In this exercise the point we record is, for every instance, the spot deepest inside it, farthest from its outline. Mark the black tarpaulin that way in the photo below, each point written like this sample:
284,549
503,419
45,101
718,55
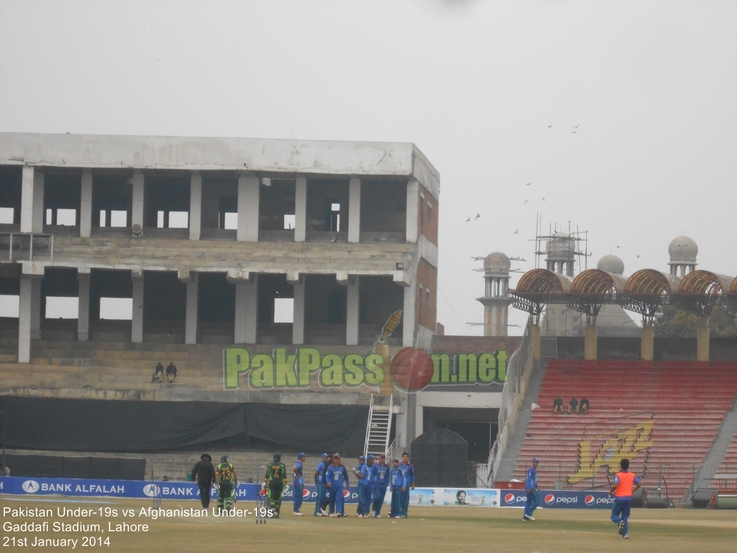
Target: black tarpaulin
103,468
138,426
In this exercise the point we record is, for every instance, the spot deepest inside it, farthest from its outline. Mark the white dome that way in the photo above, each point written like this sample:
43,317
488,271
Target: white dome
497,262
611,264
683,249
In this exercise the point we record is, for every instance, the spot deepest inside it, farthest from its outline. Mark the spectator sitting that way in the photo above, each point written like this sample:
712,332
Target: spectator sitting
158,373
558,405
573,405
4,471
171,371
583,406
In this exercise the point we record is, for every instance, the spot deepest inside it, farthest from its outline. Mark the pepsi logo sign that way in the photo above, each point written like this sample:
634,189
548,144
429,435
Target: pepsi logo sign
589,500
549,499
346,494
509,498
305,494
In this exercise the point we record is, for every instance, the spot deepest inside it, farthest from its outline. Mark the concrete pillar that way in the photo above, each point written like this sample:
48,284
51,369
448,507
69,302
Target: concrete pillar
351,334
26,201
24,320
405,425
647,343
298,324
702,339
195,206
239,328
535,341
83,317
408,316
413,210
138,195
589,344
32,200
248,197
137,321
246,311
300,210
190,332
38,202
36,308
419,420
354,210
85,205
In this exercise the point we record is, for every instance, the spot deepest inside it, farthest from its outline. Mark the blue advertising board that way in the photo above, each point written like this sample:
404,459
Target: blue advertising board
20,485
558,499
456,497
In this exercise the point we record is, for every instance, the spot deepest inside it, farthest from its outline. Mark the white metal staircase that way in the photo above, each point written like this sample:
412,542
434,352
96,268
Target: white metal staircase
379,426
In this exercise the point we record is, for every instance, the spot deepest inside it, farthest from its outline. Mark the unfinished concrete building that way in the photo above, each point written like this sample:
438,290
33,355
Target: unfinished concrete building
212,243
229,241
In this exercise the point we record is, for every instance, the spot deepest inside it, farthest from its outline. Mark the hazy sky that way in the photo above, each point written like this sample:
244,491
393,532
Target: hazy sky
490,91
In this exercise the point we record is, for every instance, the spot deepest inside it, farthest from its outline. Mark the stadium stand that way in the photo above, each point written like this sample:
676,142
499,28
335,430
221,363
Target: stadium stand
663,415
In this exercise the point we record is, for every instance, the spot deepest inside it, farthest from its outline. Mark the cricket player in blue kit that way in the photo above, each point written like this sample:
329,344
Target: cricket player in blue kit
320,483
531,489
409,472
625,484
398,482
336,478
380,481
298,484
364,488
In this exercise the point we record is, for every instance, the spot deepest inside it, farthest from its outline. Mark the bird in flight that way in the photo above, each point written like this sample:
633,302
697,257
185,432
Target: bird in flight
550,125
528,184
478,215
543,199
526,202
517,231
574,132
468,220
577,126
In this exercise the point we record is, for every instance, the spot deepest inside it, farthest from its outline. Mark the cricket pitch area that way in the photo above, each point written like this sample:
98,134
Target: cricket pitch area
428,529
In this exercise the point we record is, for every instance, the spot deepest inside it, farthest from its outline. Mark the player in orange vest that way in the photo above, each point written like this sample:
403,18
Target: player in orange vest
625,484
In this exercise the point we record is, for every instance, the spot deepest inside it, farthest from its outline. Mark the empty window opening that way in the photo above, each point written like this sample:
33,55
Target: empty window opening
9,306
118,309
178,219
118,218
289,221
6,215
172,219
283,310
228,212
229,221
63,217
335,217
58,307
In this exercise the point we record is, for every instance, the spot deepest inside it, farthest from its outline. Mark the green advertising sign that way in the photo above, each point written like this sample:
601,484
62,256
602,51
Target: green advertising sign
297,370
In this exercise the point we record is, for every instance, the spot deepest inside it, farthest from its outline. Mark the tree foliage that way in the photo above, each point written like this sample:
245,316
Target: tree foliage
671,322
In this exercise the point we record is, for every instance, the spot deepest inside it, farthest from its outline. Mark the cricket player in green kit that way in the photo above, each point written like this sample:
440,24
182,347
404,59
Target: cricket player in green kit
226,478
274,482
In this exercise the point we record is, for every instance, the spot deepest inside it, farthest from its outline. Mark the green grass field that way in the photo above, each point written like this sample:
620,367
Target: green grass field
429,529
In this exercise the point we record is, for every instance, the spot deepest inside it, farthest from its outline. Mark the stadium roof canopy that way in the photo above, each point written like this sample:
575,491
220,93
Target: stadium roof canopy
643,292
